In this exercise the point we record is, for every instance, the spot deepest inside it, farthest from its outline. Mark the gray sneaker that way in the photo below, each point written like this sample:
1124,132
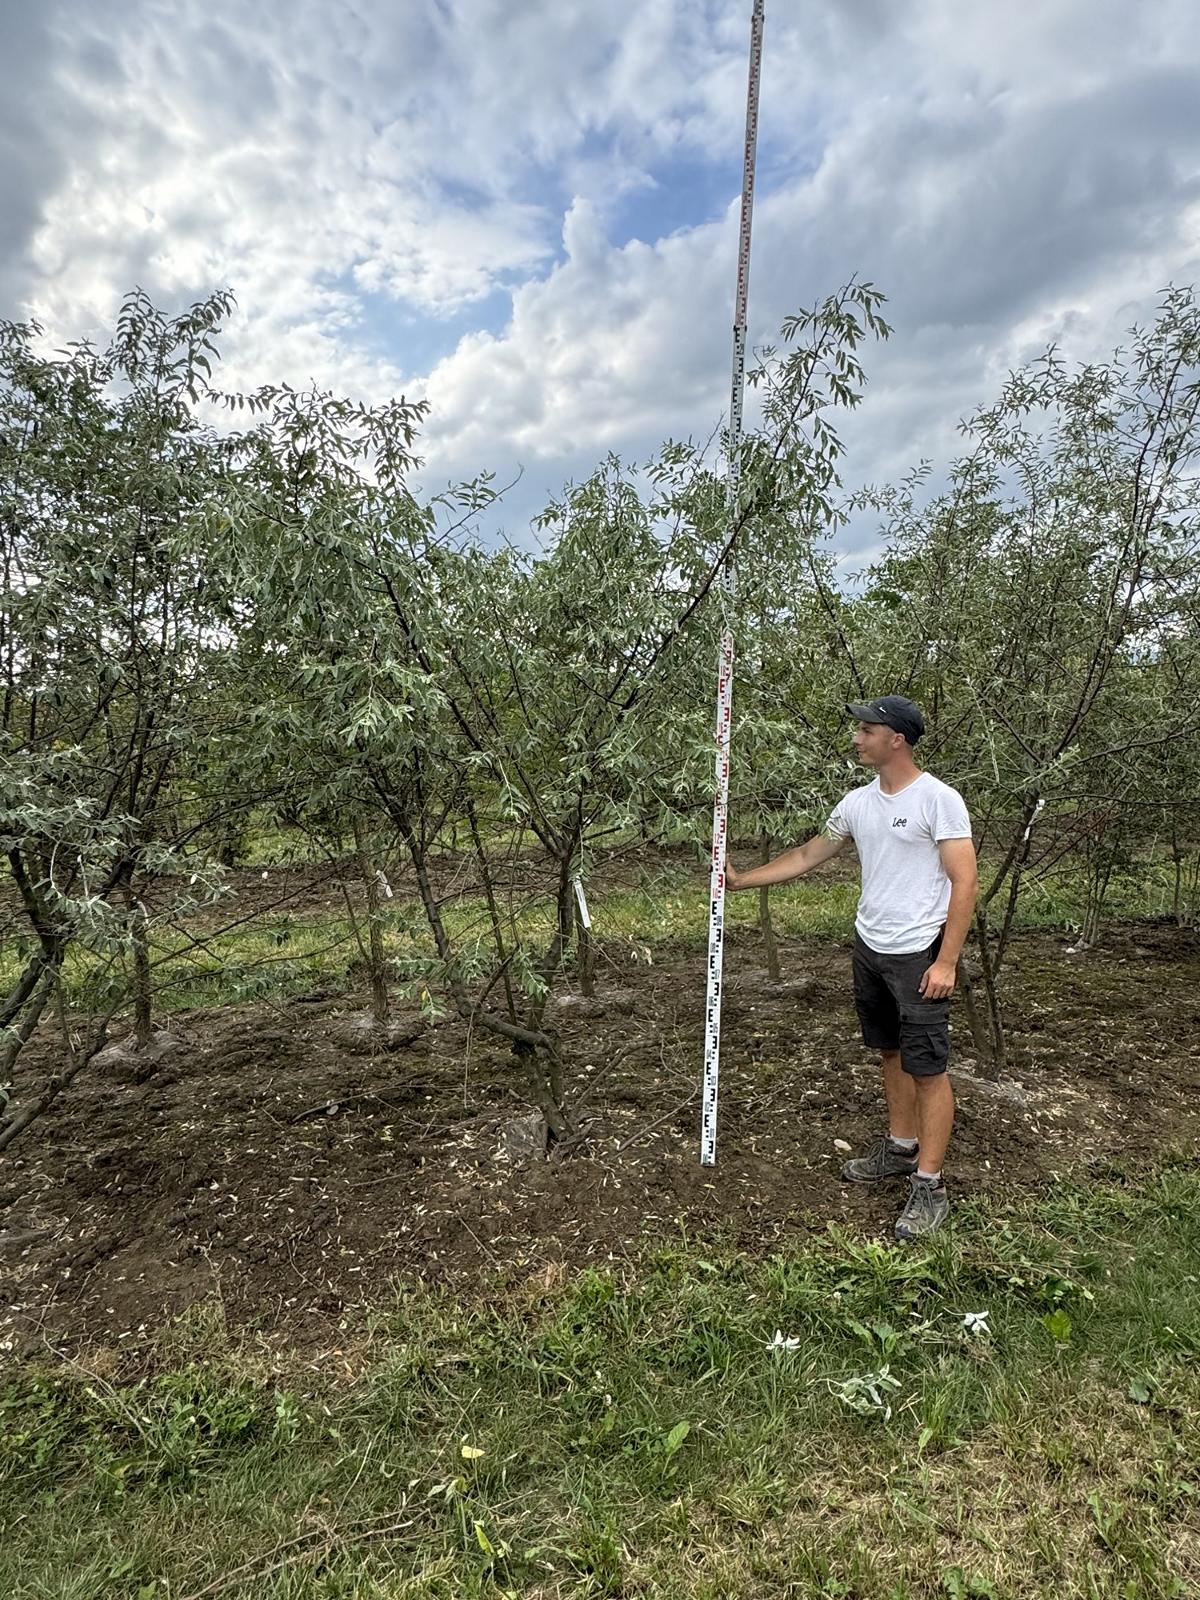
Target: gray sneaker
882,1161
927,1208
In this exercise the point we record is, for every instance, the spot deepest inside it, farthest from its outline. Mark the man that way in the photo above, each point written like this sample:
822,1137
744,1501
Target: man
919,881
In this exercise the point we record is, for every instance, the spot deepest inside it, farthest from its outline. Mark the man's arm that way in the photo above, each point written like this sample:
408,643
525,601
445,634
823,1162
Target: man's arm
958,859
791,864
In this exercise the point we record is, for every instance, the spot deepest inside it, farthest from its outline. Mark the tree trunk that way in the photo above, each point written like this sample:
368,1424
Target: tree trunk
998,1064
584,952
58,1081
376,961
765,924
232,845
1098,882
20,1034
1187,880
545,1061
536,1049
543,1072
143,1012
485,878
15,1000
979,1034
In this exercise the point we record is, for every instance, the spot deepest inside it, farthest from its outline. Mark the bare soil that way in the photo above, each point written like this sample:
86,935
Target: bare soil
281,1159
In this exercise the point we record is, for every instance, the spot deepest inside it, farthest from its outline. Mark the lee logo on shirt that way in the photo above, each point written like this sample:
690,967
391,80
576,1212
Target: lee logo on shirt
899,822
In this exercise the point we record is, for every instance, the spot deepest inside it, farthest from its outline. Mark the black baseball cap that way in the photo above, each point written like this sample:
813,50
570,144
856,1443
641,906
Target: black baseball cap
894,712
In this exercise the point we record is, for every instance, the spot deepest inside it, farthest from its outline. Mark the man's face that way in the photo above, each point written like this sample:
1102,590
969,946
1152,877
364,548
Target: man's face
874,743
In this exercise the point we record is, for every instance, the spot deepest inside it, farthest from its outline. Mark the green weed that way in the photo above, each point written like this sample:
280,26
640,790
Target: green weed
846,1418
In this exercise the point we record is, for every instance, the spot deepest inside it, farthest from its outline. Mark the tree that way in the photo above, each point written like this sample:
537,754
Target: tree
536,699
1018,605
111,620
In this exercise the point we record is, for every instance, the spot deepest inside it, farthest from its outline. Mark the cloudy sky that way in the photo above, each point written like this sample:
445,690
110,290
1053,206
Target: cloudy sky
525,210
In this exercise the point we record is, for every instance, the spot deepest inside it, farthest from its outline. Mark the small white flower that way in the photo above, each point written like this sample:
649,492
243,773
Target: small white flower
780,1343
976,1322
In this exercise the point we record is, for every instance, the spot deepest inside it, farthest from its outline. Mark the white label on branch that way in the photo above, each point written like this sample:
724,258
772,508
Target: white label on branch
582,898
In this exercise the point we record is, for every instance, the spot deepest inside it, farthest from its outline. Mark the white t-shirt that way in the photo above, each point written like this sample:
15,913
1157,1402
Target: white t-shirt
905,890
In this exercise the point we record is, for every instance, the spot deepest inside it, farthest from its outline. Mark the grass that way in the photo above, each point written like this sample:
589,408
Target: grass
275,956
280,955
641,1434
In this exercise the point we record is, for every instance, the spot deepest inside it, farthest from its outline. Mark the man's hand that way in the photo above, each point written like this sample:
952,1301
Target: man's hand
939,980
733,878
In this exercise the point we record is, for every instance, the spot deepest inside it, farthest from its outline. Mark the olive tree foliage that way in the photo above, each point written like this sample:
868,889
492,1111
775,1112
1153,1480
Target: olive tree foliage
112,622
529,702
791,615
195,625
1043,611
789,755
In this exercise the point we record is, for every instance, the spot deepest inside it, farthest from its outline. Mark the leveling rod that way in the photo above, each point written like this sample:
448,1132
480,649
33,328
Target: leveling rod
716,918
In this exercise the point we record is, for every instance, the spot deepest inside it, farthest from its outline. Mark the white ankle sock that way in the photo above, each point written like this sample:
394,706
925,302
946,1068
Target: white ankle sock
929,1177
907,1145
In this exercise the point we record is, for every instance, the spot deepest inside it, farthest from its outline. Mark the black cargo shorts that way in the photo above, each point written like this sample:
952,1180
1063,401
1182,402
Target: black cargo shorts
892,1012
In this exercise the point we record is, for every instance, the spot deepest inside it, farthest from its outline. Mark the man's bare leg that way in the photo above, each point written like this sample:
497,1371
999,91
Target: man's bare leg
899,1087
928,1205
935,1118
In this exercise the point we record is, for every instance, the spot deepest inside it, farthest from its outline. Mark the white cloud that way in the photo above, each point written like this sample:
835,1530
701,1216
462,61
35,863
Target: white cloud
368,177
601,351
